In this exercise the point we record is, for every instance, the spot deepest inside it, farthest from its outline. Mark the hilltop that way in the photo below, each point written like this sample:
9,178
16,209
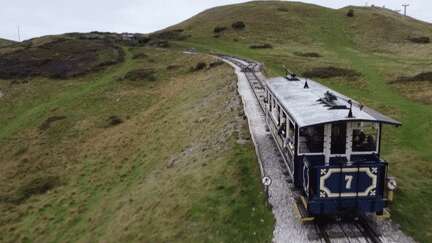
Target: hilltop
293,33
4,42
377,56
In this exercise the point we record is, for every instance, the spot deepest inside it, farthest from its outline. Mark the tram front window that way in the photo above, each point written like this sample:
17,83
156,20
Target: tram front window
364,136
311,139
338,138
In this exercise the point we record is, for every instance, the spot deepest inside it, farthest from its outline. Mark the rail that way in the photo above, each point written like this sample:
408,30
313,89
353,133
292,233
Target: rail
251,70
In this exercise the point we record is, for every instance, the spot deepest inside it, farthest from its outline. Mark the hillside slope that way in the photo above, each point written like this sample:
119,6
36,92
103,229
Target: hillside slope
377,56
4,42
146,150
58,58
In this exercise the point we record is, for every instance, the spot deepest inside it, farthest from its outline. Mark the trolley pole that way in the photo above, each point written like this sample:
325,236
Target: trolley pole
19,33
405,8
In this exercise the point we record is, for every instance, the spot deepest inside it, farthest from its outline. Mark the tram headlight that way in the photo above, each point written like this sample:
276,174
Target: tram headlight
391,184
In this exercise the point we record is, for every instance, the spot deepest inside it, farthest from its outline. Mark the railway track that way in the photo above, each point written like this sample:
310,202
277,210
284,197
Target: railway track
251,70
357,229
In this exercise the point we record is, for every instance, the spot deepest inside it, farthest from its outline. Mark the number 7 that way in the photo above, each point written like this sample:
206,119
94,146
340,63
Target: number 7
348,179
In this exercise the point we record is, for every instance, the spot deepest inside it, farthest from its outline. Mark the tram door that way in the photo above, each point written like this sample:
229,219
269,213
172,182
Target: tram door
338,138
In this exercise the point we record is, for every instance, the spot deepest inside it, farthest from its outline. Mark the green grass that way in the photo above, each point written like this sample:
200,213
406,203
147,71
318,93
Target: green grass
30,114
372,43
173,171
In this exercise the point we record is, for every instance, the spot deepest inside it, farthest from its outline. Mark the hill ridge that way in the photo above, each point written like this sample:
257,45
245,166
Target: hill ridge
5,42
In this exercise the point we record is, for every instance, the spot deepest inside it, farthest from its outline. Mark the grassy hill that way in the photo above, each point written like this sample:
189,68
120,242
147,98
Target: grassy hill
137,145
391,54
59,58
4,42
145,149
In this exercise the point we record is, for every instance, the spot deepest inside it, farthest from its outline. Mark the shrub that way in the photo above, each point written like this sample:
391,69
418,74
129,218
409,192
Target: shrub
199,66
177,34
35,186
420,40
425,76
173,67
350,13
140,56
47,123
60,59
143,40
160,43
215,64
239,25
307,54
329,72
261,46
114,120
219,29
141,74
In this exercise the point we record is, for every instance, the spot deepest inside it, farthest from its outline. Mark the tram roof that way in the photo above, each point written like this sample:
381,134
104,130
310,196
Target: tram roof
319,104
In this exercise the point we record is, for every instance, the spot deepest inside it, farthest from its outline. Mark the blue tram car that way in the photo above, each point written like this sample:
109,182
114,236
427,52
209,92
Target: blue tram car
331,148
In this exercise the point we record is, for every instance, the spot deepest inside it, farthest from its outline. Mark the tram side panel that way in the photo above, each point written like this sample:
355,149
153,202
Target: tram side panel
292,162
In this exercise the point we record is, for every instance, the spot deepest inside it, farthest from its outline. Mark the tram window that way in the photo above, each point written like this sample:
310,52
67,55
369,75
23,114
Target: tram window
311,139
364,136
338,138
291,133
291,130
282,127
278,115
276,112
270,103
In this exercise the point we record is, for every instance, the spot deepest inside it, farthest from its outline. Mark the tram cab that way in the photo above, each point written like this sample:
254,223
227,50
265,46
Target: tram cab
330,145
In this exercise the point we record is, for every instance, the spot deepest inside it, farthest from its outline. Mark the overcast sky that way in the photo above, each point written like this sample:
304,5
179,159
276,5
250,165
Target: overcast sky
43,17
